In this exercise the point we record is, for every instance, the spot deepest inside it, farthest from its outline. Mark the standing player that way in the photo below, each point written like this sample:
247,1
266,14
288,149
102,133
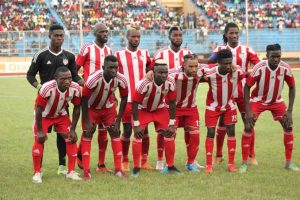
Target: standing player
187,79
149,106
133,63
269,76
242,56
50,110
173,56
99,108
91,58
45,62
219,102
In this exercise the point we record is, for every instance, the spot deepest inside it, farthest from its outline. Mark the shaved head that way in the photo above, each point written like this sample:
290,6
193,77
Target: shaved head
100,27
130,31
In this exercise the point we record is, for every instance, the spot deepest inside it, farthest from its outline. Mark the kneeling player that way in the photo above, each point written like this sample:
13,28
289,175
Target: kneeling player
50,110
269,76
149,106
222,83
98,107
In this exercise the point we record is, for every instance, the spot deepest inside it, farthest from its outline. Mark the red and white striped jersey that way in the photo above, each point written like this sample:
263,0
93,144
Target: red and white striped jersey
91,58
151,96
133,66
173,59
242,56
221,87
100,92
269,83
54,101
186,87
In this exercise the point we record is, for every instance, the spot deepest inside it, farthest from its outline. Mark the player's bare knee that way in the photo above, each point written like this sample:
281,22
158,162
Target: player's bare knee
230,129
127,129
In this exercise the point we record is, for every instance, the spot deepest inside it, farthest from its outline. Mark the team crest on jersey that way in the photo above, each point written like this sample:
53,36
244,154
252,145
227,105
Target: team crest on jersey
279,77
65,61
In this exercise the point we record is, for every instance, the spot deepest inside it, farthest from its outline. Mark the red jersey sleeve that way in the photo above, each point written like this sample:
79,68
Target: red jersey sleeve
251,80
86,91
76,101
171,96
82,56
123,91
138,97
289,78
252,57
40,101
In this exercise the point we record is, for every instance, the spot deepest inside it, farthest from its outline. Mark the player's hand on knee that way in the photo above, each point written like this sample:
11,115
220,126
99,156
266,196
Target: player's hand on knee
90,127
73,136
42,137
287,120
113,131
138,132
250,119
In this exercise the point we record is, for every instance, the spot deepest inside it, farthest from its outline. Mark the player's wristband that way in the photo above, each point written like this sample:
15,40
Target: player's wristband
38,87
172,122
136,123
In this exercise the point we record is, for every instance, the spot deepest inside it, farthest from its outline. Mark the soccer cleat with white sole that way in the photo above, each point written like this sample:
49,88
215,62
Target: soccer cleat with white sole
62,170
37,178
292,167
74,176
192,168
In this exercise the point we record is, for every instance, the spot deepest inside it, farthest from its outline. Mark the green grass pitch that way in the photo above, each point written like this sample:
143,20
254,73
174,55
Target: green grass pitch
269,180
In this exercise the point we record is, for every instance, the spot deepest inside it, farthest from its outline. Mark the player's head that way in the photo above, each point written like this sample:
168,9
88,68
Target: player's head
175,36
224,58
134,37
63,78
111,66
56,35
231,33
273,55
160,71
190,64
100,32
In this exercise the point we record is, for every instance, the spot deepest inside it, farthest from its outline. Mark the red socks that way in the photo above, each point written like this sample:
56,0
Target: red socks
145,148
71,149
136,152
125,147
37,153
86,152
194,140
246,141
117,152
221,132
288,140
169,144
231,144
102,144
187,141
209,147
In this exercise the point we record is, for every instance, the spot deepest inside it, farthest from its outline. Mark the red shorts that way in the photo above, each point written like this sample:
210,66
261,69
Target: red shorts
61,124
127,115
277,109
105,117
159,117
240,102
187,117
212,117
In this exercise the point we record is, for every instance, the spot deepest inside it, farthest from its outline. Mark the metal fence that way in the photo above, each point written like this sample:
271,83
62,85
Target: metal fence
25,44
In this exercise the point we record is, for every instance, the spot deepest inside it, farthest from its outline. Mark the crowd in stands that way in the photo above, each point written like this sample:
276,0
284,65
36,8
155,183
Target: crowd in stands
19,15
116,14
23,15
273,14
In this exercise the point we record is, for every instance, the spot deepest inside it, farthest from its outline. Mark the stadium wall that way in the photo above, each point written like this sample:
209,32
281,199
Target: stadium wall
20,65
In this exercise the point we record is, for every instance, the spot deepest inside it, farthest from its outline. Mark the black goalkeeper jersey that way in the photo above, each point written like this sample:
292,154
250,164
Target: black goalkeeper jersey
45,62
